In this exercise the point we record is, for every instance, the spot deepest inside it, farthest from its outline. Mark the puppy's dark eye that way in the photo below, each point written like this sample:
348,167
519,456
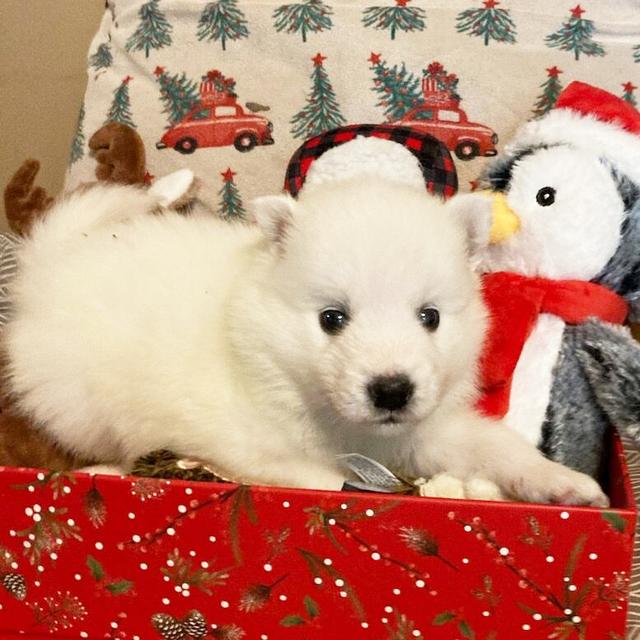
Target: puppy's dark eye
333,321
546,196
429,318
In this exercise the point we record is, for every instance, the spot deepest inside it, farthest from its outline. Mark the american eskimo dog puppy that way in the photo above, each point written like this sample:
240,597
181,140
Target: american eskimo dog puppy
348,320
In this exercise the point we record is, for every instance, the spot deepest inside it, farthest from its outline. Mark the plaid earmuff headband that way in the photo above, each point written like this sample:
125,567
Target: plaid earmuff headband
435,160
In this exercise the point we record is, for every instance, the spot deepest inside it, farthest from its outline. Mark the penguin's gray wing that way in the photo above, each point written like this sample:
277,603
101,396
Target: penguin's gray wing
574,426
610,358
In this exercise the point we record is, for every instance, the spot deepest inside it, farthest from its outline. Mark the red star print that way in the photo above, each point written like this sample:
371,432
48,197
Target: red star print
474,184
158,71
318,59
148,177
490,4
228,175
402,3
374,58
577,11
553,72
127,79
629,87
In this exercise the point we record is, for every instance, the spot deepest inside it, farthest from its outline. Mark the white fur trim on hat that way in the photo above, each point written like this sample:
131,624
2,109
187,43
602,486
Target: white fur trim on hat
367,156
601,139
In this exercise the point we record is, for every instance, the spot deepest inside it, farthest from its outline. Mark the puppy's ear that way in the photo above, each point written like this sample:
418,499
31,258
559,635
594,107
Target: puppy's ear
175,189
474,210
274,214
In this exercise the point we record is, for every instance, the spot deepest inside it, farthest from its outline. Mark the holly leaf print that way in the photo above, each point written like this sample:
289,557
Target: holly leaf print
96,568
311,606
615,520
119,587
292,621
443,618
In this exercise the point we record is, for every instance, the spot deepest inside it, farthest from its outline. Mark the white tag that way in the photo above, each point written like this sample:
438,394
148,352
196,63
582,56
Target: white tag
373,475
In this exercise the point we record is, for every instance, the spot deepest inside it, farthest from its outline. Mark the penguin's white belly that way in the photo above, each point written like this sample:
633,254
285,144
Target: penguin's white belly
533,377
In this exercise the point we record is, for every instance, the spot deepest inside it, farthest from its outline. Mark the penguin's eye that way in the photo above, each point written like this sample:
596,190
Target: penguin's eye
546,196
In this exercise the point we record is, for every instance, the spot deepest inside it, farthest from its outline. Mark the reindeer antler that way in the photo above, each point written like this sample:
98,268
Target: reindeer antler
119,152
23,202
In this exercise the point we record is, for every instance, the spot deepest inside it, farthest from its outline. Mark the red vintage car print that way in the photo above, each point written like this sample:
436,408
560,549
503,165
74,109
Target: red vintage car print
439,114
217,125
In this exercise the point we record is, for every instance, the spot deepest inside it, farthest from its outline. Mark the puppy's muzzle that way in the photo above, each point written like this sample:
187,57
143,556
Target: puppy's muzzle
390,393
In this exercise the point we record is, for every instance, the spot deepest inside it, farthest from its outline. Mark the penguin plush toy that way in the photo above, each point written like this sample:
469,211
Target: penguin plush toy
557,237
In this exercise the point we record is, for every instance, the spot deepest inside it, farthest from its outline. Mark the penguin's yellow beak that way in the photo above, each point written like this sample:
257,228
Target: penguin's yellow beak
504,220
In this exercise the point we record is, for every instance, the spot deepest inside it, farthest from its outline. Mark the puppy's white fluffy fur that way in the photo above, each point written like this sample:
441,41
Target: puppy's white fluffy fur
134,332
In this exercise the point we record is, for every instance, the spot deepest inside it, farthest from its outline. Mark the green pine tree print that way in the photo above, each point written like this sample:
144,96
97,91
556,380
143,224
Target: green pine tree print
77,145
309,16
636,53
120,110
628,94
231,207
322,111
576,36
101,59
177,93
395,18
398,90
222,21
153,32
551,89
487,22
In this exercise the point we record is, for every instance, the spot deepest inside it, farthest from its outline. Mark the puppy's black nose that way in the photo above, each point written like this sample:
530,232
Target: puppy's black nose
390,392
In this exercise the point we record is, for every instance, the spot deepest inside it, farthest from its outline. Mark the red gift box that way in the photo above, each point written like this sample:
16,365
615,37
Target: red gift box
139,558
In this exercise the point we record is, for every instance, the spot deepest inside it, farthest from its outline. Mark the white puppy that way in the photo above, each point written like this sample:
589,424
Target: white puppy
349,320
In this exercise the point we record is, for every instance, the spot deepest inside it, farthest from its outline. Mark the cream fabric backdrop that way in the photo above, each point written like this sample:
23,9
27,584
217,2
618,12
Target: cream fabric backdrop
499,83
43,45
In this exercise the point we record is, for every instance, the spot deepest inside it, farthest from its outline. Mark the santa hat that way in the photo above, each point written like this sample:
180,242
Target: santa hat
592,119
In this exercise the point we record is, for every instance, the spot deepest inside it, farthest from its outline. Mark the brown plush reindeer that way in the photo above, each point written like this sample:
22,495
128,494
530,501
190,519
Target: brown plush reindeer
119,152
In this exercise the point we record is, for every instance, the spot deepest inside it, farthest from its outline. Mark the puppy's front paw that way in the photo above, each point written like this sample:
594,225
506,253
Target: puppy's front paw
557,484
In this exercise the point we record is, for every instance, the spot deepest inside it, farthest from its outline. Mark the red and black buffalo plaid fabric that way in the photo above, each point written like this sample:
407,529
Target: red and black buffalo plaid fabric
437,165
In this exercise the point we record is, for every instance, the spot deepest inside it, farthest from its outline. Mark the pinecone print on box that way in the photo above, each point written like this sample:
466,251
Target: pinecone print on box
309,16
193,626
487,22
322,111
551,89
400,17
120,110
15,584
576,36
153,32
222,21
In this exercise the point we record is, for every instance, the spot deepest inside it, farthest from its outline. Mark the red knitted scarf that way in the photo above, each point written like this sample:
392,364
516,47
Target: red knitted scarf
514,303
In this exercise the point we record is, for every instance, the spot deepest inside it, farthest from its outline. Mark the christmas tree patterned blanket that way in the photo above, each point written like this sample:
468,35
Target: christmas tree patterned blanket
231,88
